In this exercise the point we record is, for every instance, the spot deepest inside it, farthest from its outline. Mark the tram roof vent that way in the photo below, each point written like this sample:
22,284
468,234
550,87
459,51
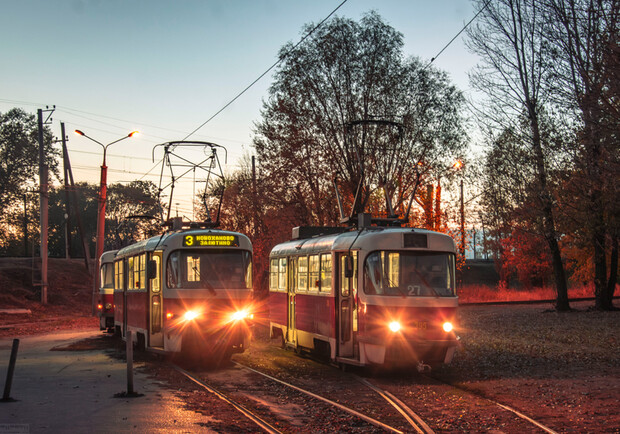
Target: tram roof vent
177,223
301,232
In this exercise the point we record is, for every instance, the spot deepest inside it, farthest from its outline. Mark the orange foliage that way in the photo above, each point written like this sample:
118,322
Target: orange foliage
527,256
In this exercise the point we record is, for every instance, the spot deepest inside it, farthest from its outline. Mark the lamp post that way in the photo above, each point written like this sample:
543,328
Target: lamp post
99,240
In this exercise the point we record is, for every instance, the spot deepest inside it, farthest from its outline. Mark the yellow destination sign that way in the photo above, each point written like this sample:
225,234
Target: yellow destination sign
210,240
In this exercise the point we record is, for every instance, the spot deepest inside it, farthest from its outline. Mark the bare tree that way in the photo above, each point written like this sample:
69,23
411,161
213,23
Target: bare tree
508,38
585,38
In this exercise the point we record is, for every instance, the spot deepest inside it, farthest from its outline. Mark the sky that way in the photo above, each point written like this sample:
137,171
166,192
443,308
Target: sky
164,67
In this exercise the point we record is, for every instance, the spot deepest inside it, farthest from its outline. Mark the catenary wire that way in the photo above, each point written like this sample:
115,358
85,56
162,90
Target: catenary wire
280,59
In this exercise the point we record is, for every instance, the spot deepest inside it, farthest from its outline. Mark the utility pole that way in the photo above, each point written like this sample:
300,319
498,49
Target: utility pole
25,226
43,200
462,222
254,204
43,205
65,166
71,189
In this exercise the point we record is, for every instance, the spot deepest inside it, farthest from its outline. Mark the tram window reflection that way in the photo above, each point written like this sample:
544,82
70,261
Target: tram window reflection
409,274
212,269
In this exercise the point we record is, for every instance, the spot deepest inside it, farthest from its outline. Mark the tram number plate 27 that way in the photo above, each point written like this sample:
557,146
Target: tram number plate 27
420,325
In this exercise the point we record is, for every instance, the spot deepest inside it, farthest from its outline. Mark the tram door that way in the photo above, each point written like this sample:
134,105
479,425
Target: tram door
154,269
347,316
291,279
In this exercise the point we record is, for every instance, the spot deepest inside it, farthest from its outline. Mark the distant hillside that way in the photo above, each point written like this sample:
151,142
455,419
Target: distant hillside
69,285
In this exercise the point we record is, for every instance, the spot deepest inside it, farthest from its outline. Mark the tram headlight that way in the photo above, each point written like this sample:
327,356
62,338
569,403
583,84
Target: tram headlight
394,326
447,327
190,315
241,314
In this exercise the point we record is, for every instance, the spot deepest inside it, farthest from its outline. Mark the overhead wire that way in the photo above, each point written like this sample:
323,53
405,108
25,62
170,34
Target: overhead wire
458,34
280,59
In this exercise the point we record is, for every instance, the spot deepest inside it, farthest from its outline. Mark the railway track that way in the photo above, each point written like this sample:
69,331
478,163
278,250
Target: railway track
391,410
502,406
389,396
261,418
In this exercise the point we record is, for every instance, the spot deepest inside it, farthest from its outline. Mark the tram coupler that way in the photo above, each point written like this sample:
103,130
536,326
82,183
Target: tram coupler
423,367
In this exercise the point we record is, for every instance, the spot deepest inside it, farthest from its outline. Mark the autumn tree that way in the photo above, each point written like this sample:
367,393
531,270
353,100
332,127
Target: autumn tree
508,39
584,38
19,154
19,168
132,213
347,104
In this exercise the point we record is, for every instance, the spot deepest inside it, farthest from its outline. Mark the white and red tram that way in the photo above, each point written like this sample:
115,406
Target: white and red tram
399,305
105,302
187,291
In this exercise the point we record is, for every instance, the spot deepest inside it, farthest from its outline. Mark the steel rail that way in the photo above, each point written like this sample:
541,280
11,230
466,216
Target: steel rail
522,416
502,406
247,413
414,420
321,398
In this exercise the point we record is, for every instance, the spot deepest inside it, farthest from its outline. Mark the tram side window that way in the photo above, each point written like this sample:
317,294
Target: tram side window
118,275
247,259
130,276
313,273
326,273
282,274
302,273
136,269
273,275
155,282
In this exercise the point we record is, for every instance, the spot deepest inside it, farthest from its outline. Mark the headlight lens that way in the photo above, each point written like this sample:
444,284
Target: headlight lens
190,315
394,326
239,315
447,327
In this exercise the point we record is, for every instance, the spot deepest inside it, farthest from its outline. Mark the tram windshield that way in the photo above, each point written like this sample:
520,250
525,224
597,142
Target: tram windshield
107,275
210,269
409,274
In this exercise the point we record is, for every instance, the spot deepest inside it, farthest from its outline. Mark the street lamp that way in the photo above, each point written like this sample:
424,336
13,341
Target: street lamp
99,240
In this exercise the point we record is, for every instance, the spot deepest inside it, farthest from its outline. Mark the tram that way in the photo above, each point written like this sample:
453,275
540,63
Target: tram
369,296
187,291
105,302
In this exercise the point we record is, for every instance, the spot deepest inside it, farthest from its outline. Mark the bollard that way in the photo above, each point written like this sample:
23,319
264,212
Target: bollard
129,353
9,375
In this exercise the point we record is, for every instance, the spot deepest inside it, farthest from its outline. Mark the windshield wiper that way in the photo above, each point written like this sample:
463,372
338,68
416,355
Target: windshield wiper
205,282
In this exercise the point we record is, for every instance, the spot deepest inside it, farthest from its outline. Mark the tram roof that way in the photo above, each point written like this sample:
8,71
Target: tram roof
174,239
108,256
369,238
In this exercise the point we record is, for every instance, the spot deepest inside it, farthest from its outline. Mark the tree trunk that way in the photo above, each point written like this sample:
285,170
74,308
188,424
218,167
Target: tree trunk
613,272
561,303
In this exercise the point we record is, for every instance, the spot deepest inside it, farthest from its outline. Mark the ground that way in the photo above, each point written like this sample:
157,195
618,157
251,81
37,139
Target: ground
69,297
562,367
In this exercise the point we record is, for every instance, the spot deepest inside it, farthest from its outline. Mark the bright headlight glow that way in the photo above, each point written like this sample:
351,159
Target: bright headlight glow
447,327
240,314
190,315
395,326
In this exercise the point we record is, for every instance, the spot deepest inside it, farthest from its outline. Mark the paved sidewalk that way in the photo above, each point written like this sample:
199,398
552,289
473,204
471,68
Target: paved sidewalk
74,392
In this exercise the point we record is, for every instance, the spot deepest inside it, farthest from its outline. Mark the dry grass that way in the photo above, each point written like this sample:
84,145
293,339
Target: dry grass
486,294
519,339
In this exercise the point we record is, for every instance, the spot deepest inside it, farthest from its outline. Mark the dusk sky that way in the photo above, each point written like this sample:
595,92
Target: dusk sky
165,67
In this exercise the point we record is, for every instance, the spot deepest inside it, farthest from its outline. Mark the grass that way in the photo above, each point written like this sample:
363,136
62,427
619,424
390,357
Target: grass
486,294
